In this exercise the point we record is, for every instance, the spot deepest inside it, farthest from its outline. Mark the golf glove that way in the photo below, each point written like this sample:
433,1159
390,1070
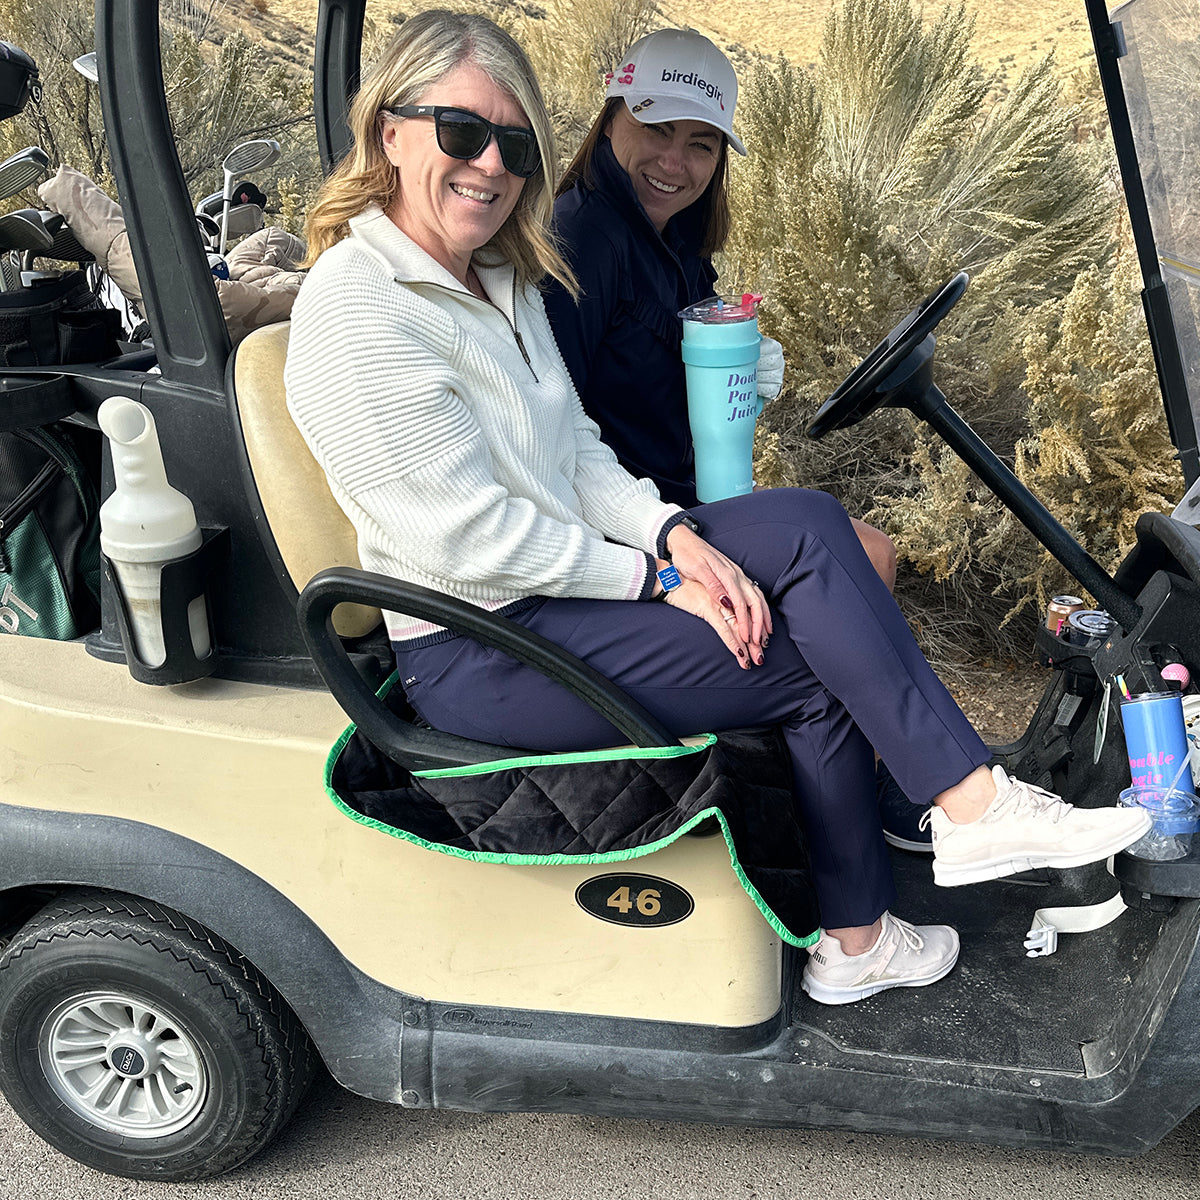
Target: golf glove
770,368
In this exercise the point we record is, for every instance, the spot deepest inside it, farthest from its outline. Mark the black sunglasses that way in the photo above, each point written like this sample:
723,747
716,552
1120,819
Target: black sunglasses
464,134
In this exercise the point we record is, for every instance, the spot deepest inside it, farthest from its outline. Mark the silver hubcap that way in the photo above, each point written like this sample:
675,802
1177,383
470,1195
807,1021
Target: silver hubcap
123,1065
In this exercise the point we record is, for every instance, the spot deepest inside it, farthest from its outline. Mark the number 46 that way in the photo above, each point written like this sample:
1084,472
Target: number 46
648,901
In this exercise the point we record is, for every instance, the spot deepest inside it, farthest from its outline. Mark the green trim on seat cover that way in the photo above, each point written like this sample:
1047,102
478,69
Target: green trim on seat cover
614,754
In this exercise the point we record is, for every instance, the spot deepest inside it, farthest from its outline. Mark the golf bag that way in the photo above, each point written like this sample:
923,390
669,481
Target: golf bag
56,321
49,536
19,82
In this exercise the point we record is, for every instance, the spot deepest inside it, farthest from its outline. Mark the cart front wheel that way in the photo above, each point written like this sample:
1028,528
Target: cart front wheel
139,1043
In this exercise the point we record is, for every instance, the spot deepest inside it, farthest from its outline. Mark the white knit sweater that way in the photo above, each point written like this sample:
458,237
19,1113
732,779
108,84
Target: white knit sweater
463,466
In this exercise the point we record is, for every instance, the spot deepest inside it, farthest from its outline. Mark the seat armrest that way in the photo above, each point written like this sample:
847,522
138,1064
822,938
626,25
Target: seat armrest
422,749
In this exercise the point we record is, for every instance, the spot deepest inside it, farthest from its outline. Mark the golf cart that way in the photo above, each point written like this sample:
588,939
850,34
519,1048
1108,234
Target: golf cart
190,920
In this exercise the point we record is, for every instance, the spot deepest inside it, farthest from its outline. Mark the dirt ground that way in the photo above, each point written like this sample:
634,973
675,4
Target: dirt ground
1009,35
1000,700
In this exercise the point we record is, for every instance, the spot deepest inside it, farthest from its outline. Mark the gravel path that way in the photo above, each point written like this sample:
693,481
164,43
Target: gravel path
339,1145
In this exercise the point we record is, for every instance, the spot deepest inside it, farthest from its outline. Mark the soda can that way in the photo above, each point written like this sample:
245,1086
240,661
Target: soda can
1059,609
1089,627
1156,741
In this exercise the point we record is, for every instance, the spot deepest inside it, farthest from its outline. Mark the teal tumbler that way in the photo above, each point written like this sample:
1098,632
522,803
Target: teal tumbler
720,355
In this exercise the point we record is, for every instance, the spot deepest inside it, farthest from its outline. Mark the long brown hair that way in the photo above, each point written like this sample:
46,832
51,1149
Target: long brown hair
426,49
714,201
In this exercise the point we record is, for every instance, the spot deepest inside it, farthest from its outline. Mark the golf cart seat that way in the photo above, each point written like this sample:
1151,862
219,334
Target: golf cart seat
314,547
310,530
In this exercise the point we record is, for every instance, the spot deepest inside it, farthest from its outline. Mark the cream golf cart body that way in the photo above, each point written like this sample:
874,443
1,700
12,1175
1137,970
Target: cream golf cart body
190,922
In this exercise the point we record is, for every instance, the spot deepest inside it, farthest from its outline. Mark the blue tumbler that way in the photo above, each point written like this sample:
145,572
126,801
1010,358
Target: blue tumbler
720,355
1156,740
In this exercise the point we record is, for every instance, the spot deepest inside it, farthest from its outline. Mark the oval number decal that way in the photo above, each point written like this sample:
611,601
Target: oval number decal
641,900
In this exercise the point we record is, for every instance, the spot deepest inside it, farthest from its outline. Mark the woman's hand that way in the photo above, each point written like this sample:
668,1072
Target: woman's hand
726,586
693,597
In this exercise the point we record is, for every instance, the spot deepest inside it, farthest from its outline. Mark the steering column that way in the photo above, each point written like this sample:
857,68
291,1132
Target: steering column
898,373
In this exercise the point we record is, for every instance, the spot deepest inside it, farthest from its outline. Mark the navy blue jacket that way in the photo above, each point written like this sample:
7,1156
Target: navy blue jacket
621,342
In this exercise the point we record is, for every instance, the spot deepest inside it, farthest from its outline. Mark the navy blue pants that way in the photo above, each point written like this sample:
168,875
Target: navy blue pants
842,674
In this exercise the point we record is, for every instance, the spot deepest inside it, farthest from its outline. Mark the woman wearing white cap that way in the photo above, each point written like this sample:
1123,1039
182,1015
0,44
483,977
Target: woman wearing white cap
640,212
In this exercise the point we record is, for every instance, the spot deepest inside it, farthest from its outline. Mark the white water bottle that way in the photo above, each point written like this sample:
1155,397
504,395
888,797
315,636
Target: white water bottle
144,524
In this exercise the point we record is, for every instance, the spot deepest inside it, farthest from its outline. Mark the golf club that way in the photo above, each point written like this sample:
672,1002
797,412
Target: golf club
241,160
21,169
244,216
24,230
85,64
210,231
66,247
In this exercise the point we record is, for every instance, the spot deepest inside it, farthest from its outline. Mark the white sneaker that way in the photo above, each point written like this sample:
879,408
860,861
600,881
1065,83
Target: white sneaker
1025,828
904,955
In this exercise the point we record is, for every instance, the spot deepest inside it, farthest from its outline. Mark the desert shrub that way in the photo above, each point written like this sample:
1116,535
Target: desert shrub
1097,454
571,46
895,163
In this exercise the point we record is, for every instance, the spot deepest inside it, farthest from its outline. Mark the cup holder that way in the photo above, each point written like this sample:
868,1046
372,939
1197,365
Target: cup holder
28,401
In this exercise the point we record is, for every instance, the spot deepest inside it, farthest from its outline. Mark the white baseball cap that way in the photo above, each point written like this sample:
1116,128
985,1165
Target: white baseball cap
677,75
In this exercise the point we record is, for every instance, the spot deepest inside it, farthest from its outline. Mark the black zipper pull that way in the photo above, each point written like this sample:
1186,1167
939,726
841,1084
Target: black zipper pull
521,347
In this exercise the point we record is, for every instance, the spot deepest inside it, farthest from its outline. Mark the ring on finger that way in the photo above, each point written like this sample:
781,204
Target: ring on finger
730,618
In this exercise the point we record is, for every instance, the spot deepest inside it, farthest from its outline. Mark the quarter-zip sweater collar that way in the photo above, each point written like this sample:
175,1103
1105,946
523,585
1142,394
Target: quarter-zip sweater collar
411,265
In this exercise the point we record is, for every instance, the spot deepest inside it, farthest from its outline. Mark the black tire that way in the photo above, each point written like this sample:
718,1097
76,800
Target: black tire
138,1043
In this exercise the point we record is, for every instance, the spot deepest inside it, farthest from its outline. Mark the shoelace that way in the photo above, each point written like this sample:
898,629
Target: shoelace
1022,795
911,937
1019,795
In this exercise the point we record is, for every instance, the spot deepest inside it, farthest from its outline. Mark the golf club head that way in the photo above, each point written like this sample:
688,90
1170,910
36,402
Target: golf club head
244,219
246,191
10,272
210,206
249,156
24,230
210,230
85,64
21,169
30,279
65,247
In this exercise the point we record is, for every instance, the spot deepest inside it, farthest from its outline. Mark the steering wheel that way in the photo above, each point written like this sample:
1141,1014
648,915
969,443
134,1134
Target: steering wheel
862,391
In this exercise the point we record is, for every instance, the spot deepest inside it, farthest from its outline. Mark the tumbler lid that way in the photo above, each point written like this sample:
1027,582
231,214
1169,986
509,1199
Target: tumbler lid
720,310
